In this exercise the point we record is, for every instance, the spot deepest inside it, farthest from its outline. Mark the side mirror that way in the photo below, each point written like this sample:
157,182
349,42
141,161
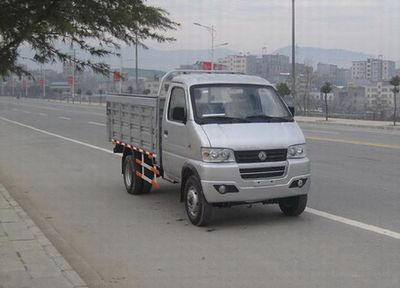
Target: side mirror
178,114
291,109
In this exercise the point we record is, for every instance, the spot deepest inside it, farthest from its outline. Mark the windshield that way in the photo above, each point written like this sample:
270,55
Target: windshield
228,103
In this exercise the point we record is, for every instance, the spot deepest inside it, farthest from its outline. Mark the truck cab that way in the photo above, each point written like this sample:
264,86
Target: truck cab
229,139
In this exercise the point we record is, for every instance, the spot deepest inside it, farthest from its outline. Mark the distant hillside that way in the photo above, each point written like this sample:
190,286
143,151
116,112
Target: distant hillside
163,60
340,57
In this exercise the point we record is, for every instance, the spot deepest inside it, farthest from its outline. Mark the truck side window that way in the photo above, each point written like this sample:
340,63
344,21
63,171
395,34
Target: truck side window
177,105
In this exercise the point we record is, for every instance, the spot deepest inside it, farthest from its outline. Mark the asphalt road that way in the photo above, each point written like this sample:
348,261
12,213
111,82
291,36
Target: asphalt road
349,237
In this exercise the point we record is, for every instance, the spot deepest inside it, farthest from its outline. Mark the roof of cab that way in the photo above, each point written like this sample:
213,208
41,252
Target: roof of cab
220,78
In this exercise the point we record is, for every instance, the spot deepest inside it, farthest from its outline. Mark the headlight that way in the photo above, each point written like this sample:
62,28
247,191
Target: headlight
296,151
217,155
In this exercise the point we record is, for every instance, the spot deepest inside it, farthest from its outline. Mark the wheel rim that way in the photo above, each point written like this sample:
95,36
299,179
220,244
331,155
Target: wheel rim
128,174
192,201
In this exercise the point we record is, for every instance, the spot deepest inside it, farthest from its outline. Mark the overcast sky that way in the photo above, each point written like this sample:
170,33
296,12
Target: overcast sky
370,26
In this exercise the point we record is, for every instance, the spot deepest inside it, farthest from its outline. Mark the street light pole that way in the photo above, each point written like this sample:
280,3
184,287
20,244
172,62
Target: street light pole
42,68
73,79
212,32
293,52
120,77
212,47
26,86
12,85
136,64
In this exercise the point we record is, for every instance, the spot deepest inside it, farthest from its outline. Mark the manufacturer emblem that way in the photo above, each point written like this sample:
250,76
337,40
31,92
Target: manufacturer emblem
262,156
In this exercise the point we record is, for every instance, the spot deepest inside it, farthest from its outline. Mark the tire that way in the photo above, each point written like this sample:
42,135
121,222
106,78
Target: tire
133,183
199,211
293,206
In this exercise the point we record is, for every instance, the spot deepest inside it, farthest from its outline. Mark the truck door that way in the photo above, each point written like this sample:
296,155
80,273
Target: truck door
174,133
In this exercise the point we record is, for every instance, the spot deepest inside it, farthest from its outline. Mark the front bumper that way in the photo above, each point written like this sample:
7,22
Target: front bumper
252,190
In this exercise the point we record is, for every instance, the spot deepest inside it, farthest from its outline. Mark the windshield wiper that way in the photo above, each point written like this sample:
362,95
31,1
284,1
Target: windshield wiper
221,119
268,118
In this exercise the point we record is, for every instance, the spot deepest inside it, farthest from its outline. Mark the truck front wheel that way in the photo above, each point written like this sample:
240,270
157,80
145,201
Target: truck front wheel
293,206
133,183
197,208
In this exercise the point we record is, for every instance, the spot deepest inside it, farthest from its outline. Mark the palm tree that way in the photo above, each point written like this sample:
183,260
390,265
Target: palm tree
327,88
395,81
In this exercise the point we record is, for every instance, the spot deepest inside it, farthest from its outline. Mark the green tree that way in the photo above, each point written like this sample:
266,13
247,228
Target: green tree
97,27
325,89
395,81
282,89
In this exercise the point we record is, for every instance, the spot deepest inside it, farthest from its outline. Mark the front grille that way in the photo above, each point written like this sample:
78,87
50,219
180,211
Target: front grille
262,172
252,156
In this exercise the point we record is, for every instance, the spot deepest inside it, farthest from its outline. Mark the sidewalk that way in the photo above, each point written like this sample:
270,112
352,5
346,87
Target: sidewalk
27,258
349,122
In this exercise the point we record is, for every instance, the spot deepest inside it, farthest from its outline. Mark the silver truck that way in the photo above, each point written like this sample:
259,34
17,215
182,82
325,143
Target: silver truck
227,139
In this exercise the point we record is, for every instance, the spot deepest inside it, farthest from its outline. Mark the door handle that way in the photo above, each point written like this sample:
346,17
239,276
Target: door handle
165,132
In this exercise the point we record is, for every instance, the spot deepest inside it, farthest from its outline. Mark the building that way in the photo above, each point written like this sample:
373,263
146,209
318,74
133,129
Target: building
252,65
333,74
355,100
272,66
388,70
343,76
379,95
235,63
328,71
151,87
373,69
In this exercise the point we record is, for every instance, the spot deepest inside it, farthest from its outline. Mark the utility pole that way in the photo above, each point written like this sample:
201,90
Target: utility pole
44,81
293,52
136,64
26,86
73,79
212,32
212,47
120,77
12,85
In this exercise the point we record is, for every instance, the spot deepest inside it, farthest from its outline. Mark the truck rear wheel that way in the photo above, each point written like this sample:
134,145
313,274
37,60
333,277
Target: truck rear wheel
293,206
133,183
197,208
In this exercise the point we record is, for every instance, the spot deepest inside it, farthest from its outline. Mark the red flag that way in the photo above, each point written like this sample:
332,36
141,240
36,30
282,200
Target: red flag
71,80
206,65
117,76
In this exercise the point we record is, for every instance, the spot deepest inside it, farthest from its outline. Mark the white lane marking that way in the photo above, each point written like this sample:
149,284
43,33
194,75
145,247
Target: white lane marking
59,136
321,131
97,123
25,111
354,223
14,109
323,214
42,114
64,118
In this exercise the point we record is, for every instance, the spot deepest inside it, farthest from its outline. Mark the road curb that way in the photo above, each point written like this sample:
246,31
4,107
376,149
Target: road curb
30,254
